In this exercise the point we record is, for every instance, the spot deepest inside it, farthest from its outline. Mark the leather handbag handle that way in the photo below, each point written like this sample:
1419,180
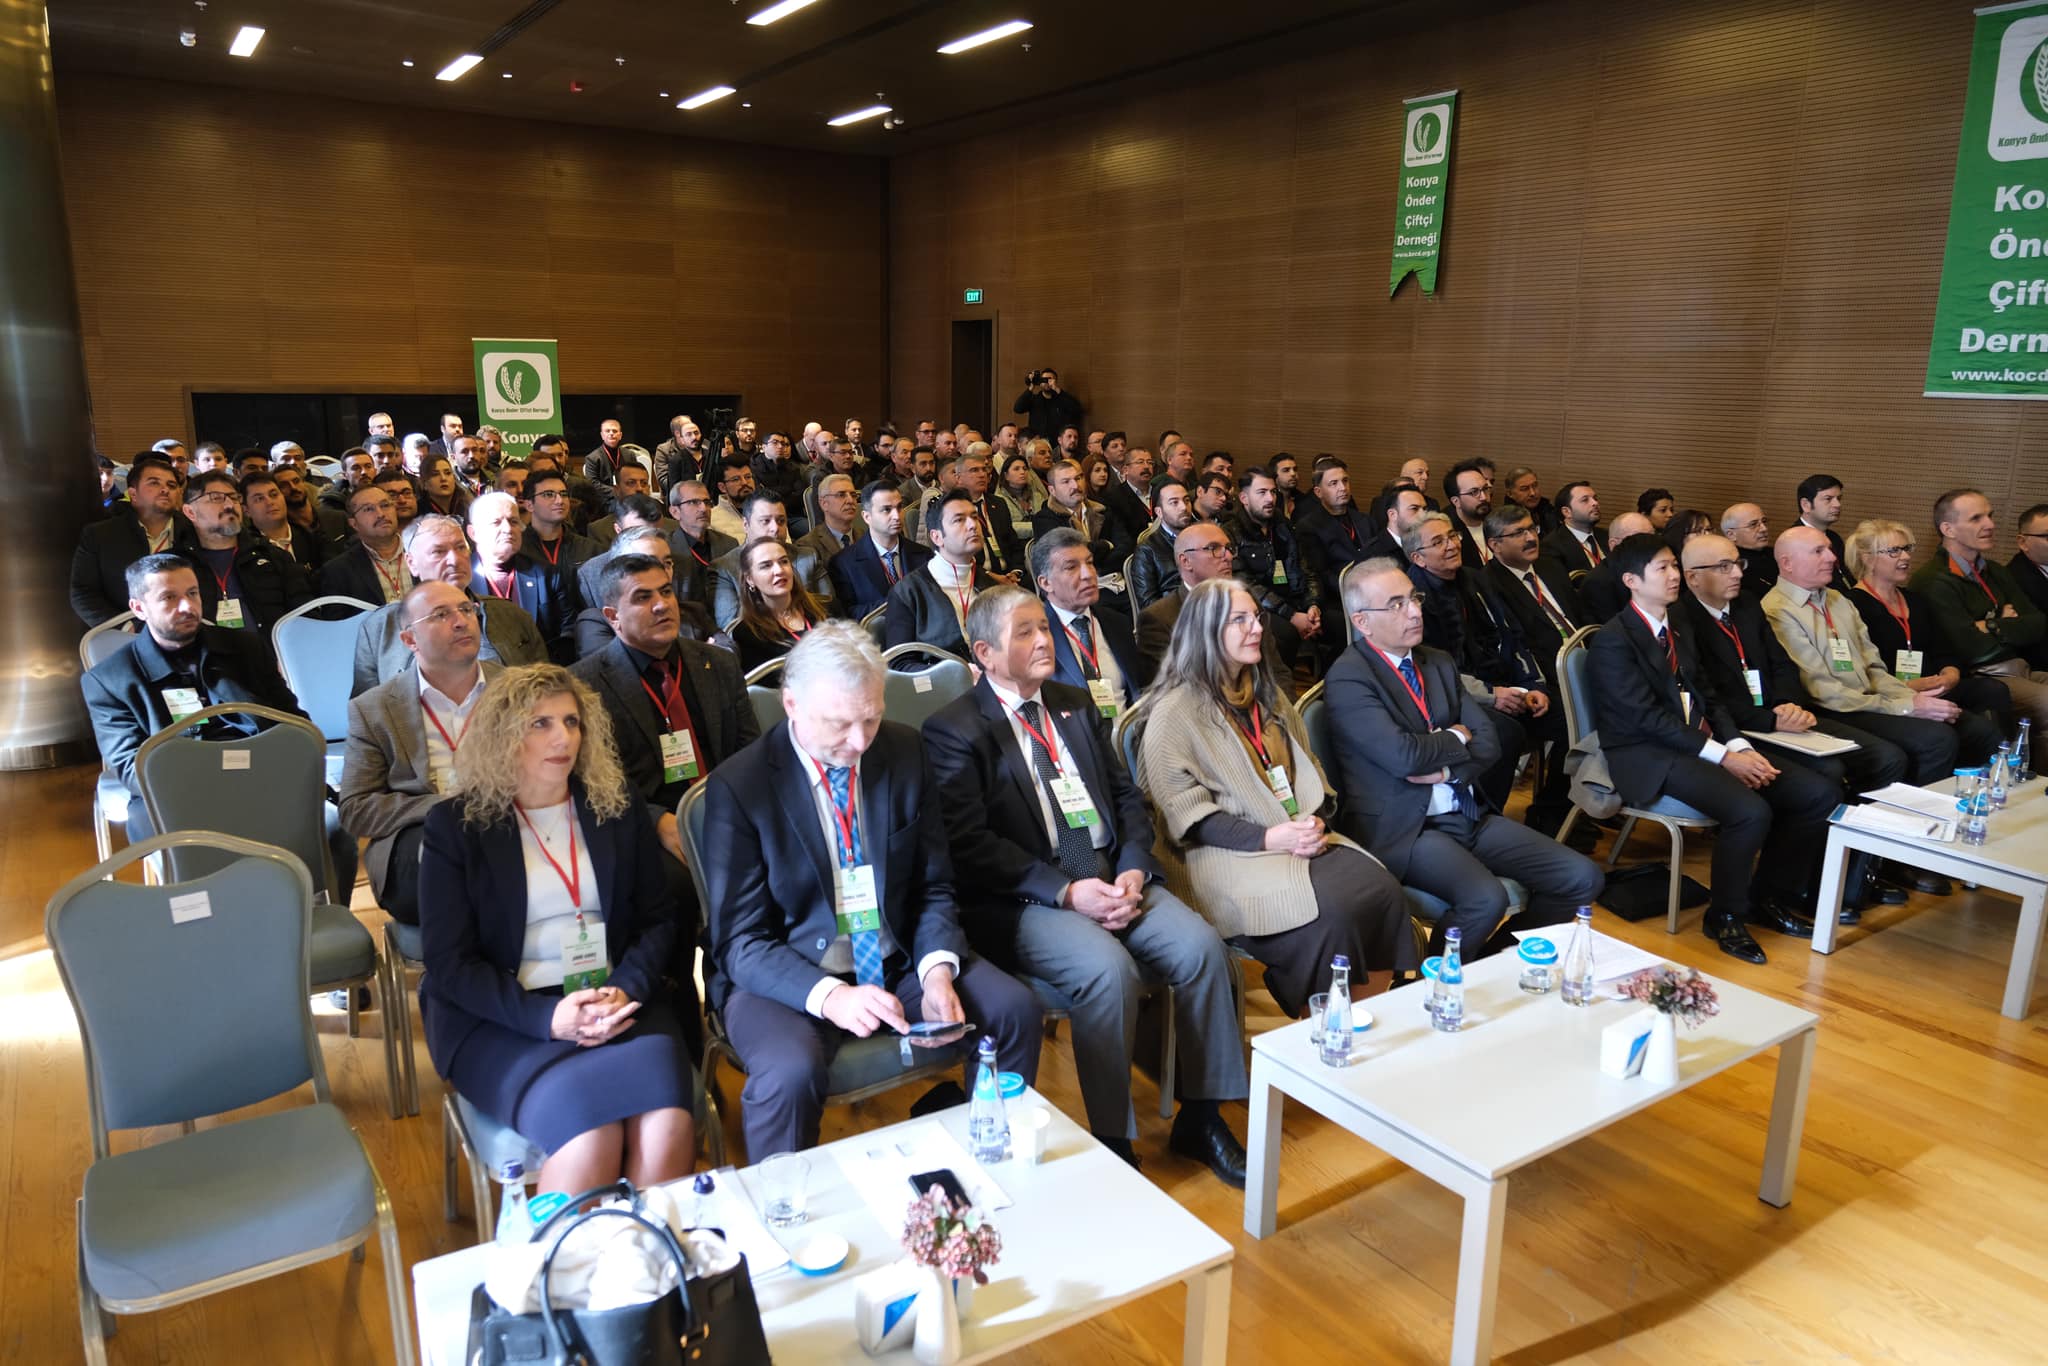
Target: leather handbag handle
557,1342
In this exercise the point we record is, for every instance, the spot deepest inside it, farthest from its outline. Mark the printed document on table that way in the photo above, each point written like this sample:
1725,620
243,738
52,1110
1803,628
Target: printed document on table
879,1166
1886,820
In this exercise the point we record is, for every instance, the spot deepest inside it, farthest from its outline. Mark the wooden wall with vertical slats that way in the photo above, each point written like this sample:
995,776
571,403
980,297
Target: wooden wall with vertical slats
245,240
1688,244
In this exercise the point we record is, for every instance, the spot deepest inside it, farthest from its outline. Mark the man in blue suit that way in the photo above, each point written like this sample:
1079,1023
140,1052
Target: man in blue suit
831,894
864,572
1093,647
500,569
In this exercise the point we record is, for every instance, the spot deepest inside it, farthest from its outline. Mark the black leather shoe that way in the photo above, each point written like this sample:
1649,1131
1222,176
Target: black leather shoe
1775,915
1735,942
1850,915
1931,883
1212,1143
1878,892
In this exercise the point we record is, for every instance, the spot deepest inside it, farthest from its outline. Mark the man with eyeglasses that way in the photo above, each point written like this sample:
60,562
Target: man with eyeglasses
1201,552
735,483
372,569
436,549
1535,589
1470,491
2029,565
695,545
242,584
148,524
403,735
1411,745
553,547
839,526
1746,525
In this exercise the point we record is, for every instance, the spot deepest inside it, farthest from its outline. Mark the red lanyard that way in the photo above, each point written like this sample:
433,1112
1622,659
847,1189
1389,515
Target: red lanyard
1257,734
572,880
1978,577
1086,649
1734,640
554,555
843,815
508,591
1052,750
395,580
963,592
669,701
698,557
1414,694
1820,604
158,544
1670,636
455,740
220,578
1904,619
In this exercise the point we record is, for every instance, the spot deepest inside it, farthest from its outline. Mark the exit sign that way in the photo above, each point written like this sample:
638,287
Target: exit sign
970,296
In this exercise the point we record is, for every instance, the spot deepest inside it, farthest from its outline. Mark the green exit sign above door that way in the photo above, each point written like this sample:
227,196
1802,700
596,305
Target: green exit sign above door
970,296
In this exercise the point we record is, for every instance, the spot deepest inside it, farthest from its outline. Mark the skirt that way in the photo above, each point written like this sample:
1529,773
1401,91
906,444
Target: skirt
1361,912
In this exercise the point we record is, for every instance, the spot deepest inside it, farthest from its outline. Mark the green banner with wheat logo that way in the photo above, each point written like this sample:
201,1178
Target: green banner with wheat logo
1425,182
518,387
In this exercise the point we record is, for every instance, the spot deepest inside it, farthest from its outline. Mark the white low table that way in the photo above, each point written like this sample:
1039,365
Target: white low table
2013,860
1085,1234
1520,1080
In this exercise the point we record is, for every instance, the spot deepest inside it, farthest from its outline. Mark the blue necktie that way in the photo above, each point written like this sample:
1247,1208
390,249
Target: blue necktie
867,944
1467,802
1409,676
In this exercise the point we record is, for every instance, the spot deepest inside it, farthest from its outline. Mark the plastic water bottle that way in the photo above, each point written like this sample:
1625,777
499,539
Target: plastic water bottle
2022,755
1450,1010
515,1224
1972,805
988,1123
1335,1050
1578,960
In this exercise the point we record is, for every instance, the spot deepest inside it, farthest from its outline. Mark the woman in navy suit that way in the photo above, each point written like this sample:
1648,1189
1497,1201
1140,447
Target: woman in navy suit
544,874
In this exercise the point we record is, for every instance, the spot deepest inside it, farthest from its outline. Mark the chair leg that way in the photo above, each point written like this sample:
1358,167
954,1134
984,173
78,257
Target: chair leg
355,1023
90,1326
480,1193
410,1055
394,1282
1564,829
394,1089
1677,879
450,1208
1621,838
714,1113
102,831
356,1253
1167,1056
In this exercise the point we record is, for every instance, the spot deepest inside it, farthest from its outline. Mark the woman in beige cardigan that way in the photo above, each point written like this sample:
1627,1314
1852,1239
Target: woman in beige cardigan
1227,765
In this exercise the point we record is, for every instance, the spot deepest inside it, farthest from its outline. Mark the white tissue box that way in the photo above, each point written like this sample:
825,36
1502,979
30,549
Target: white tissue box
1623,1044
885,1307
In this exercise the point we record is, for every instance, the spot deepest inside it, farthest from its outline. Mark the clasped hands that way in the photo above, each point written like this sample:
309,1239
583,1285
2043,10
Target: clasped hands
1112,905
593,1016
1303,838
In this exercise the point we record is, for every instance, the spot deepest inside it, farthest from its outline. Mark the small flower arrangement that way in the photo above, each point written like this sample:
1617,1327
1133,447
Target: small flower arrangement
952,1240
1686,995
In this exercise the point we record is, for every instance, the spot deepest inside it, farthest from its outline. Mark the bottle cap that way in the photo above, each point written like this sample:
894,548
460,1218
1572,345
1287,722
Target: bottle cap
1537,950
702,1185
1341,961
1432,968
512,1171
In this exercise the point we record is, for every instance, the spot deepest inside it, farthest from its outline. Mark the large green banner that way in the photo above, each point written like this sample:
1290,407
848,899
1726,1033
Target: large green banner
1991,319
518,387
1425,180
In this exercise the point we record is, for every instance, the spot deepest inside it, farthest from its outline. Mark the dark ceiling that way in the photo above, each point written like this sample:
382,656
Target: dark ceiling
833,57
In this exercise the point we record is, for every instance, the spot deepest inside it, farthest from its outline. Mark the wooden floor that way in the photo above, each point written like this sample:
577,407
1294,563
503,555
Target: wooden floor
1915,1234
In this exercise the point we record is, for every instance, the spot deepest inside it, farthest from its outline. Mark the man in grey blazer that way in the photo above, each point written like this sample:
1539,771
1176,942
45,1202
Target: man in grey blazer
1410,746
437,549
403,735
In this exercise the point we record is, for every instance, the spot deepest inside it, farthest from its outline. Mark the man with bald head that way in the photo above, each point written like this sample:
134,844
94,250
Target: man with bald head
1746,525
1601,590
1201,551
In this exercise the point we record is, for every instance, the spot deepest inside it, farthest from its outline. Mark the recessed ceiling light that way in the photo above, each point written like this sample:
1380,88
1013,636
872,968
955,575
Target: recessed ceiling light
405,61
872,111
458,68
506,74
663,95
778,11
187,38
746,104
245,41
704,97
985,36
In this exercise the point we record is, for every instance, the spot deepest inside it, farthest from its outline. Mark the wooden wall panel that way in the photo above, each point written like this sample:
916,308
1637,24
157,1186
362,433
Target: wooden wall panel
1695,245
235,239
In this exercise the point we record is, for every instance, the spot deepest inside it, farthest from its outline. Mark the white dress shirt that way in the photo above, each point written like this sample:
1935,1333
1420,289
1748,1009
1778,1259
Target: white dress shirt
1713,750
1105,658
454,718
1442,796
550,914
1051,819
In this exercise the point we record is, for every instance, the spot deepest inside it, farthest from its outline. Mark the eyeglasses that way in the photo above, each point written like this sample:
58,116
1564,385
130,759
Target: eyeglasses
1719,566
227,499
693,502
1407,604
446,615
1217,548
551,494
1894,551
1438,543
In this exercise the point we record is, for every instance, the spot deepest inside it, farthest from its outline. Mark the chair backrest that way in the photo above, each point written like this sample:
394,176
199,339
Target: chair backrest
765,673
230,946
690,825
326,466
811,505
317,658
1350,631
767,704
912,695
1573,661
105,638
269,787
1129,735
876,624
1315,719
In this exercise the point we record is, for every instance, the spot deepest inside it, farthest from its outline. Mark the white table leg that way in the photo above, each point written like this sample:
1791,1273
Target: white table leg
1788,1118
2026,954
1207,1338
1262,1147
1828,906
1486,1209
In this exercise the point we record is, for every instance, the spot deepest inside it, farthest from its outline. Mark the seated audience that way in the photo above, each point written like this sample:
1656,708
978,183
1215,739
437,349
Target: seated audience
1525,491
1747,526
1534,588
439,493
149,524
1201,552
1093,647
554,547
1071,505
830,894
1002,551
1659,506
2029,565
735,485
1579,543
1153,571
270,520
929,605
1243,804
547,928
1601,589
776,610
1126,499
682,456
634,483
1053,866
1820,507
766,519
864,573
1333,534
634,512
372,568
694,546
243,584
436,549
1468,495
1979,607
1018,495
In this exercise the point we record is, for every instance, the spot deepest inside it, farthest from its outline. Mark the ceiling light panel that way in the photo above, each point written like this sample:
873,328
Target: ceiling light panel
245,42
872,111
778,11
987,35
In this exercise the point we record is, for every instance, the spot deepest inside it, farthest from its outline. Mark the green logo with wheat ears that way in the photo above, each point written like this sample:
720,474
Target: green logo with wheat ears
1429,130
517,382
2033,82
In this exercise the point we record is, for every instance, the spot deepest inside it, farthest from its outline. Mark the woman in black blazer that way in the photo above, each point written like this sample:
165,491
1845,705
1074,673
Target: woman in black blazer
542,866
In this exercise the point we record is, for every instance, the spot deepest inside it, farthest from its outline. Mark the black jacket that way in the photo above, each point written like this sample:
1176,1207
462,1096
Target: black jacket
714,693
921,610
1644,731
1755,646
1539,631
352,575
99,567
1049,412
1259,550
1331,542
1564,547
1154,571
269,581
125,691
1463,619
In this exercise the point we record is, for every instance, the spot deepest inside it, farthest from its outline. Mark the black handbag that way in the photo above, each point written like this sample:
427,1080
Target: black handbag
706,1321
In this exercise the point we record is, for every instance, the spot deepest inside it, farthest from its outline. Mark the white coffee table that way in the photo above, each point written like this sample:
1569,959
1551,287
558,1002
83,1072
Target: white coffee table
2013,860
1521,1080
1085,1234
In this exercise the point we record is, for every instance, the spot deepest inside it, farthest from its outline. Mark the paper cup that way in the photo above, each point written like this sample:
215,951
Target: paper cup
1029,1132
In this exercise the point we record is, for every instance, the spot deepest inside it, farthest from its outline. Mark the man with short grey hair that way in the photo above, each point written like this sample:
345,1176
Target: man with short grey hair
830,895
839,525
415,448
436,548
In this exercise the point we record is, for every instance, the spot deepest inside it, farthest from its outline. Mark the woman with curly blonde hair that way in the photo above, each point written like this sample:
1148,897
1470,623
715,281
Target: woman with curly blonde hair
547,922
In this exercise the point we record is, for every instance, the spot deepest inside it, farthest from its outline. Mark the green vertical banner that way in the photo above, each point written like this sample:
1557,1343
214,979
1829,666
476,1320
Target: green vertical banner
1991,317
1425,181
518,387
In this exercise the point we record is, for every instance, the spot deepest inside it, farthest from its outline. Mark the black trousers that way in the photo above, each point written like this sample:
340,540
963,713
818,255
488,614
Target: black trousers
1931,748
400,896
1770,840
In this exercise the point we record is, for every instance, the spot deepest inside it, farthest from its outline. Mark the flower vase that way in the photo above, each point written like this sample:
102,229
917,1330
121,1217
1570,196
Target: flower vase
1660,1056
936,1341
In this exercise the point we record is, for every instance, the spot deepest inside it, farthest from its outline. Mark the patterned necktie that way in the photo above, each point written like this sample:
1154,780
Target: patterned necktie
1593,551
889,567
1564,628
1468,804
1076,855
1084,630
866,944
1410,677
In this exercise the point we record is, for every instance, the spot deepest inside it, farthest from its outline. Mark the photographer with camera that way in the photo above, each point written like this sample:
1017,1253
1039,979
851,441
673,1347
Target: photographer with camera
1050,406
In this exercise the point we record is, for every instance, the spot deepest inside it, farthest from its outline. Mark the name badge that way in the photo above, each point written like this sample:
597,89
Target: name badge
181,702
1753,679
1685,706
584,964
229,614
1280,572
1283,788
1075,803
1909,666
857,907
678,756
1104,695
1839,657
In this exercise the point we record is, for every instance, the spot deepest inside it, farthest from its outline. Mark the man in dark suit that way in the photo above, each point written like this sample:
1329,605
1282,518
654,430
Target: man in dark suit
1093,646
1533,587
435,549
243,584
1153,572
864,573
402,738
1002,554
1412,745
451,428
1747,526
1820,507
1665,733
1068,505
838,527
930,604
1602,590
1333,534
1128,504
1468,495
503,571
1052,851
149,524
2030,565
1275,570
372,568
1579,543
696,547
555,547
831,895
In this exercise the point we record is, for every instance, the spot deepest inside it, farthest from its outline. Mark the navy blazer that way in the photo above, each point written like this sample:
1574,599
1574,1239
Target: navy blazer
769,871
473,922
712,689
858,579
125,691
540,594
1001,853
1636,708
1116,629
351,575
1381,739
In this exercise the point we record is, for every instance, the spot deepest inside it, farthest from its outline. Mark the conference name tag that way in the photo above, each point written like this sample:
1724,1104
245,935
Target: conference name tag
1283,788
678,756
1104,695
1280,573
1685,706
230,614
1909,666
858,908
1839,657
584,963
1075,803
1753,679
181,702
